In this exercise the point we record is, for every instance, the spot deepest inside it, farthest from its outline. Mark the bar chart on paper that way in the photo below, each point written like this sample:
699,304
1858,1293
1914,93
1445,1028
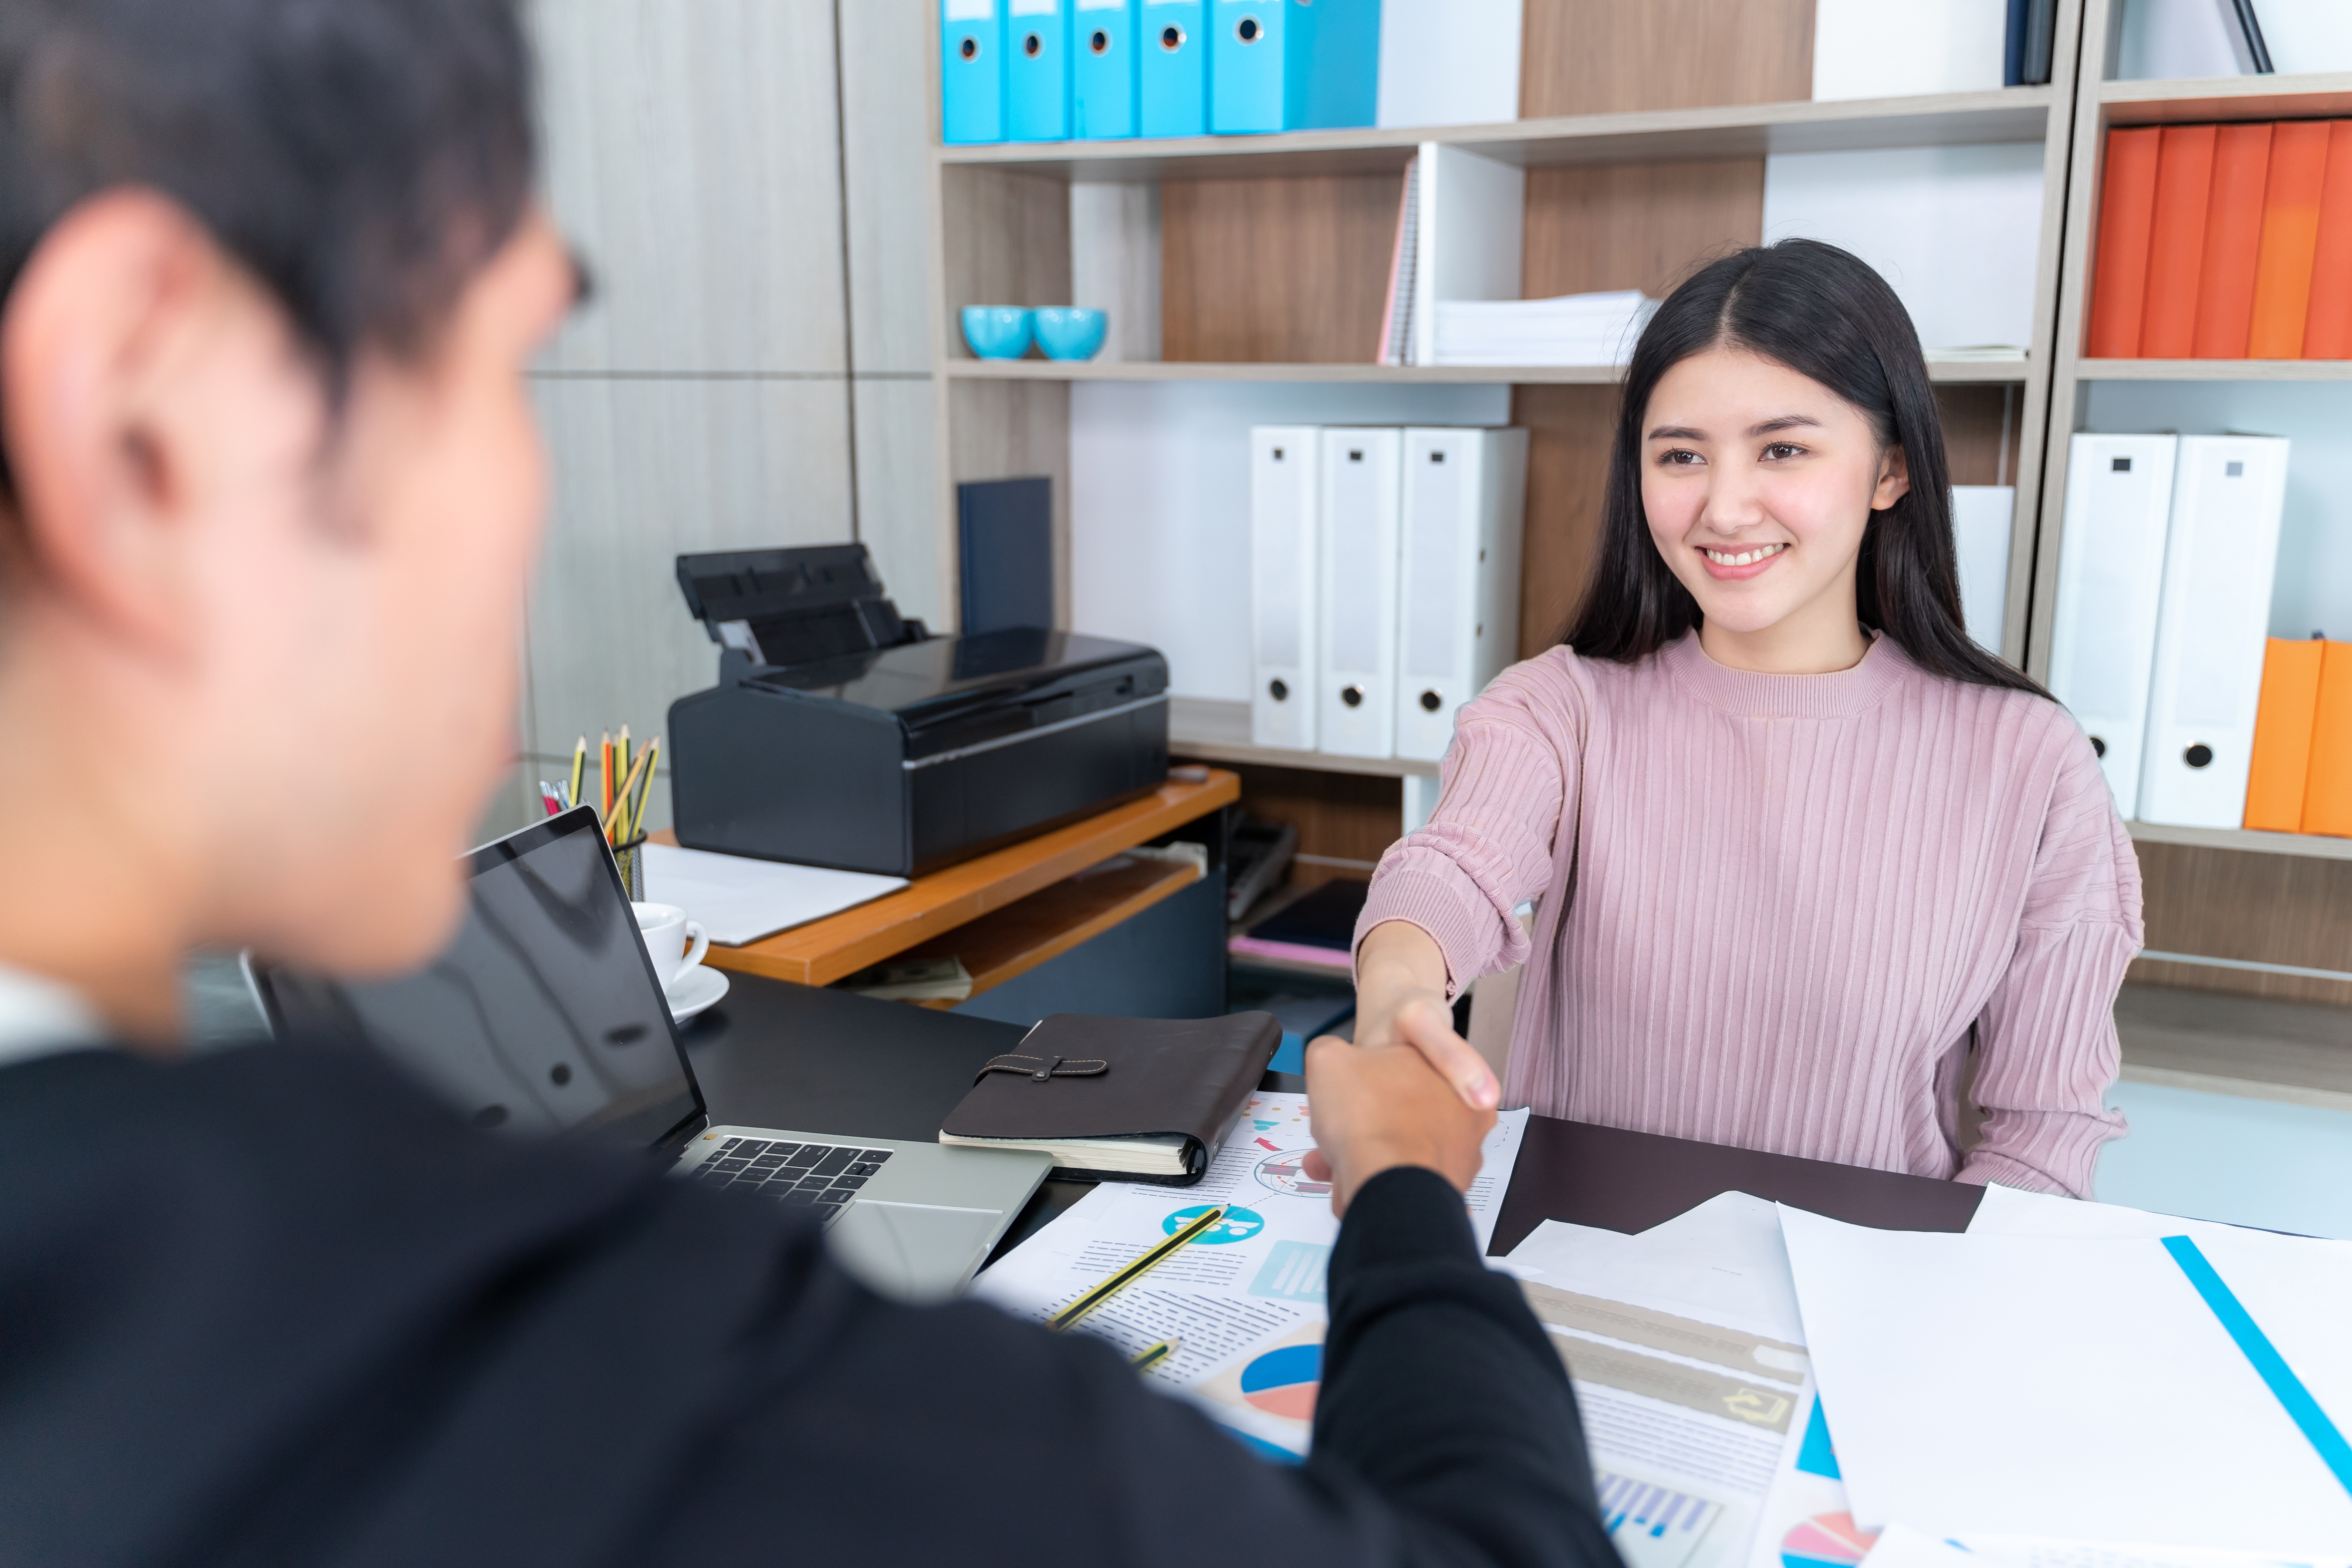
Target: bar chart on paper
1652,1526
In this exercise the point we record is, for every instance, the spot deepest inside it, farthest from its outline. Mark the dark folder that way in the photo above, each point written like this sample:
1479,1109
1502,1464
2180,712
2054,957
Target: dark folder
1129,1099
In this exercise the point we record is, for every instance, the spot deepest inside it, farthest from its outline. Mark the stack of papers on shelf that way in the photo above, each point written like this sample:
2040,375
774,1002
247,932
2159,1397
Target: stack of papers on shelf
1245,1300
2138,1388
737,899
1574,329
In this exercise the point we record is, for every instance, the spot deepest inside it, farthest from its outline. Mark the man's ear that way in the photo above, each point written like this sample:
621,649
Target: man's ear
109,384
1893,479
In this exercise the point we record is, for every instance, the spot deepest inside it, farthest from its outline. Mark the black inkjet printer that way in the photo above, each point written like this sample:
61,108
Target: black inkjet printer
840,734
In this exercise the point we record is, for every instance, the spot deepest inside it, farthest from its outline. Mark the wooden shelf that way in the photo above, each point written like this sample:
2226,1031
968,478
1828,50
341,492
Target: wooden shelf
2252,1046
1738,130
2215,369
1016,939
1939,369
2318,94
1214,731
823,951
2315,846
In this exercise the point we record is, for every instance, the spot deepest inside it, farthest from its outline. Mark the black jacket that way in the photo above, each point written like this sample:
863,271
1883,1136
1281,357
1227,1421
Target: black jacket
277,1306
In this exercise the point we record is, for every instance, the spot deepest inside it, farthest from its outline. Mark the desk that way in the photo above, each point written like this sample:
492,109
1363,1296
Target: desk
1009,909
825,1062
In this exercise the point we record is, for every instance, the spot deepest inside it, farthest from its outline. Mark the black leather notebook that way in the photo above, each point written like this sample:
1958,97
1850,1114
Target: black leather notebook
1125,1100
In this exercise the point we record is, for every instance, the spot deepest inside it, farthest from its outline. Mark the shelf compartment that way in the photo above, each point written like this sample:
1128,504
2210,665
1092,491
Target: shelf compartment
1736,130
2314,95
2312,845
1942,370
1016,939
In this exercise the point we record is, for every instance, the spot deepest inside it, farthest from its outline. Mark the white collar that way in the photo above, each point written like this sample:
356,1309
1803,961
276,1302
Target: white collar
42,1018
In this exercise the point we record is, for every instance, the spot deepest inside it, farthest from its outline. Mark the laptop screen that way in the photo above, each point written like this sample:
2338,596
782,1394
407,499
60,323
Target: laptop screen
543,1017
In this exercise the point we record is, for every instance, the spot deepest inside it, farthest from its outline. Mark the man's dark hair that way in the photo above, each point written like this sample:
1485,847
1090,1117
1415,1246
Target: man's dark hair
362,158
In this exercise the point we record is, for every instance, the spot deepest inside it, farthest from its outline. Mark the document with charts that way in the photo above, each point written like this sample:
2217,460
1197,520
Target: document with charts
1245,1300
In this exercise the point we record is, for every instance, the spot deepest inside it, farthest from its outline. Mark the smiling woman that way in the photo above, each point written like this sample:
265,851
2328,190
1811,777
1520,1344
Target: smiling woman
1798,843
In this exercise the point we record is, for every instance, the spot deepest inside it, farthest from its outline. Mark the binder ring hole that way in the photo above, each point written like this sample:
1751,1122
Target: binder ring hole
1031,45
1431,701
1099,42
2199,755
1278,690
2098,747
1171,39
1248,30
969,48
1353,696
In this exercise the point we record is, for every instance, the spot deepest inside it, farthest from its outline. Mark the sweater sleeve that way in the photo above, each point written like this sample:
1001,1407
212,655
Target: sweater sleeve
1509,781
2047,1038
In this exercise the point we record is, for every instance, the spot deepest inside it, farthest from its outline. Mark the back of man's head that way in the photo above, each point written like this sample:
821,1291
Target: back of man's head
360,157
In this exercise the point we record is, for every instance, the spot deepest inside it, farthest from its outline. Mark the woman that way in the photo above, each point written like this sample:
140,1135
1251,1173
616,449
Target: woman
1796,841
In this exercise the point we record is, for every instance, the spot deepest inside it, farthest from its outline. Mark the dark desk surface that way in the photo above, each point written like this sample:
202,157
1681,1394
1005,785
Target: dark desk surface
778,1054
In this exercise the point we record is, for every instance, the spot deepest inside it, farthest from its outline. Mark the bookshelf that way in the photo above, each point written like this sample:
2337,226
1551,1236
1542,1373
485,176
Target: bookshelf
1265,262
2277,898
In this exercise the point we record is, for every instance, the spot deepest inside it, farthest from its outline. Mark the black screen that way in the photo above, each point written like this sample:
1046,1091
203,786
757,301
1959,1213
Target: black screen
541,1017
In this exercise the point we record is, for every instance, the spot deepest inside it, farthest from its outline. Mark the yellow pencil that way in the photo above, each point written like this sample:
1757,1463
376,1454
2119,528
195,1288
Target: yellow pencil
646,788
1127,1273
621,760
579,768
1145,1360
604,781
624,822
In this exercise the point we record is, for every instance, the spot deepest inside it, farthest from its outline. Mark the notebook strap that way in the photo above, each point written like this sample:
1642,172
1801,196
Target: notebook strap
1039,1070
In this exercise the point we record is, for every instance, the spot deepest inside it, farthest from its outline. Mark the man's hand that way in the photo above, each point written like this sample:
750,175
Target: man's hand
1375,1106
1401,1000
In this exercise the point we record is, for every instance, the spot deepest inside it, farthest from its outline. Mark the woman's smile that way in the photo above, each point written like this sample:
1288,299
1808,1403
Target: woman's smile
1737,565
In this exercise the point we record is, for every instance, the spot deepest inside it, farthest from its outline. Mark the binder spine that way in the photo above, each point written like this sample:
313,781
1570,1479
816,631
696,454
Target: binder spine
1103,69
1356,707
1037,70
1464,492
1286,499
1172,69
972,72
2110,573
2228,494
1248,40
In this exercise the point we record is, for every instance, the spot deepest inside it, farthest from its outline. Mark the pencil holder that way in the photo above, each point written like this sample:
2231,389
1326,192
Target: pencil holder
630,858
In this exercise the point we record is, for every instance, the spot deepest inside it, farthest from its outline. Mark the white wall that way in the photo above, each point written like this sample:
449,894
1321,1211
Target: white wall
1449,62
1869,48
1159,505
2199,37
2315,567
1954,230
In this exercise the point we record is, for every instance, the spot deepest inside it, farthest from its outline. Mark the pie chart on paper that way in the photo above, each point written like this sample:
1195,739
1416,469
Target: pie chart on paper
1283,1382
1826,1541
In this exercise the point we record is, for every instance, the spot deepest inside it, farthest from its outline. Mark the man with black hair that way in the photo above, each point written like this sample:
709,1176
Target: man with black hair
269,274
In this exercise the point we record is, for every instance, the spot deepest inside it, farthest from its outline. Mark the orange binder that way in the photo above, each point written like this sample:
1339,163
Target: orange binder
2233,241
2127,214
2176,247
2327,790
2291,199
2327,330
2282,724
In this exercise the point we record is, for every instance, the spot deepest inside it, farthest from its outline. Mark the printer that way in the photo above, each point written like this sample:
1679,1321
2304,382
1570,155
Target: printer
843,734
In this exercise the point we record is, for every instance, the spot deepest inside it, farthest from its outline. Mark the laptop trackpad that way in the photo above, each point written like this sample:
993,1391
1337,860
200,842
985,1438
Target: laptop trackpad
916,1252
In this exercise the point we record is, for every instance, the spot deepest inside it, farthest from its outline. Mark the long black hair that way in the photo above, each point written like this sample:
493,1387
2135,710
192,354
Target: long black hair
1825,314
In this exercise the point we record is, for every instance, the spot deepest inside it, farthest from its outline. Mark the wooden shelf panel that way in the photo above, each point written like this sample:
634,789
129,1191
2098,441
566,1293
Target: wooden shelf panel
2176,102
1214,731
2313,846
1016,939
1736,130
1939,369
823,951
2215,369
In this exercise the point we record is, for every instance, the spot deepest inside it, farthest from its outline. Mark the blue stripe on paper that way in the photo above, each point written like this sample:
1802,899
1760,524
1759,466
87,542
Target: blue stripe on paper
2284,1386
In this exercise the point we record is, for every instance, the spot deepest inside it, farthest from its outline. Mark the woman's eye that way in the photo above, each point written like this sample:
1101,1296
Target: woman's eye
1679,458
1780,451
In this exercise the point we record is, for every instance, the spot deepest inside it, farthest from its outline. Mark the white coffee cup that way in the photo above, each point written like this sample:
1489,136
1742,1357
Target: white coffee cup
667,934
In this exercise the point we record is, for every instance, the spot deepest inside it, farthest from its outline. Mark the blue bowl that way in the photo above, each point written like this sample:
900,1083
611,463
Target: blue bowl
997,331
1069,331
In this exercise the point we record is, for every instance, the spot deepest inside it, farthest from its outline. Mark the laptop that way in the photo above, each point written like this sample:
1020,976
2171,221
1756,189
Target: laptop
544,1018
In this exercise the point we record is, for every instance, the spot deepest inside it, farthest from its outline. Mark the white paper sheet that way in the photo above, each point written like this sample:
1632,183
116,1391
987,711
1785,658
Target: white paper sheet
1903,1547
739,900
1251,1288
2012,1211
2076,1389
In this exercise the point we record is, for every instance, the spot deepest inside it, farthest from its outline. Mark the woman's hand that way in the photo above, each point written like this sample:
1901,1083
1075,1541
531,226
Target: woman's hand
1380,1108
1401,1000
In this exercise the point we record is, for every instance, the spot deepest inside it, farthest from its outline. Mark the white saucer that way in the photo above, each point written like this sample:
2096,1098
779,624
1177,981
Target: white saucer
693,989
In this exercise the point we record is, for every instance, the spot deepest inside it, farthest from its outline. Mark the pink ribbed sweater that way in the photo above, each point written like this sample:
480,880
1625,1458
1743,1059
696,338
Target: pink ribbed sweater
1787,898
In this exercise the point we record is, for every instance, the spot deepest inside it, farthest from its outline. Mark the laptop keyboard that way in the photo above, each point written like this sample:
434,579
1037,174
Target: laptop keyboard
820,1176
